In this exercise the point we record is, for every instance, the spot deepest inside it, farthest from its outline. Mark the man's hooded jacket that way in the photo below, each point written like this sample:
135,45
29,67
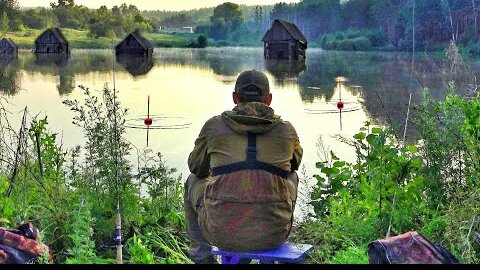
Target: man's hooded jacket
247,209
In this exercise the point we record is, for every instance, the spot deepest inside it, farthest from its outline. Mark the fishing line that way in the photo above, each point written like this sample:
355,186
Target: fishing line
308,111
179,126
383,106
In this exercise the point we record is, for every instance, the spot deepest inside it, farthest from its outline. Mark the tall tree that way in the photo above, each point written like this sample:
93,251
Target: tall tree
226,18
474,15
4,22
11,8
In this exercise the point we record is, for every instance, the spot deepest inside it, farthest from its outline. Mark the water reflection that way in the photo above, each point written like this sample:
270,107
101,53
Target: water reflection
52,60
6,59
285,71
346,103
136,65
381,78
8,77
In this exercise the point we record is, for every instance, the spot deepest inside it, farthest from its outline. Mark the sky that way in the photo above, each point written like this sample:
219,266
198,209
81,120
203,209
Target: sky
155,4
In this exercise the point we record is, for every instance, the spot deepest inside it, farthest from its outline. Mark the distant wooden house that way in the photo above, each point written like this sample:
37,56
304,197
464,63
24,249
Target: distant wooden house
134,43
7,46
52,41
284,41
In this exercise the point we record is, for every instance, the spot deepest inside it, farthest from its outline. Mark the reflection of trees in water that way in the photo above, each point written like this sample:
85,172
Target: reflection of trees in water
67,83
382,76
9,75
225,66
65,67
58,64
225,62
136,65
232,63
285,70
318,81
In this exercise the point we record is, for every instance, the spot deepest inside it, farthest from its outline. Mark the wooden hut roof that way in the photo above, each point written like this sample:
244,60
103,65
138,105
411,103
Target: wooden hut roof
291,28
10,42
140,39
56,33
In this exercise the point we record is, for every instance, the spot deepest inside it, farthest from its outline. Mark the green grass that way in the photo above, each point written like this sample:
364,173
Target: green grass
79,39
170,40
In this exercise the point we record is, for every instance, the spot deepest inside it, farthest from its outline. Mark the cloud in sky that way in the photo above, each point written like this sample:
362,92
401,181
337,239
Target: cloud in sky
155,4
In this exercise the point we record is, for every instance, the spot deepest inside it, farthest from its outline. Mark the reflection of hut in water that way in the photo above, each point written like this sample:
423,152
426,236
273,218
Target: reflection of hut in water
9,75
7,47
136,65
284,41
6,59
59,60
58,64
285,70
52,41
134,43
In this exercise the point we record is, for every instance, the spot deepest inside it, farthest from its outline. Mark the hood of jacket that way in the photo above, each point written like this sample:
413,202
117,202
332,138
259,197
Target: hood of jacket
254,117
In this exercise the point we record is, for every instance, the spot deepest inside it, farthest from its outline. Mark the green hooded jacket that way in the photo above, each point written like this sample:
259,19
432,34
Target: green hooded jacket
247,209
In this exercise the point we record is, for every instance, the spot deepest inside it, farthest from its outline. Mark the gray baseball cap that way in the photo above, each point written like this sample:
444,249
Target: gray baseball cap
252,83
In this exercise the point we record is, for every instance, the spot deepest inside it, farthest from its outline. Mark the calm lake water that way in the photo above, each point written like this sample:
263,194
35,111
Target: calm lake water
188,86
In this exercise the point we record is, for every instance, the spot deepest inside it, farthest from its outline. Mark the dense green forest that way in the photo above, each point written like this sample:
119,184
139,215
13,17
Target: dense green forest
331,24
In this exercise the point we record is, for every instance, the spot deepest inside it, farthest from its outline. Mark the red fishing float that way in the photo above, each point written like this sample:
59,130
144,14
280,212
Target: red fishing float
148,121
340,105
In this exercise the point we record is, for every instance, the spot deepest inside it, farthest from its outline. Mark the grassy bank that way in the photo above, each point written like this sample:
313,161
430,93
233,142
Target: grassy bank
80,39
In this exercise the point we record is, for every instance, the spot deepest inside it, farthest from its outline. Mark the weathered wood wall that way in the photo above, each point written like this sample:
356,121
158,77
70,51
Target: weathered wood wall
281,44
131,46
7,48
283,50
47,42
278,32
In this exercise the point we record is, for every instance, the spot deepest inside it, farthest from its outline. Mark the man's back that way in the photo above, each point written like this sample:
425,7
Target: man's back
249,207
242,191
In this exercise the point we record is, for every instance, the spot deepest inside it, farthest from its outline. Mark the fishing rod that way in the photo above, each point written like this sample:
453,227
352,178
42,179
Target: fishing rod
390,223
118,216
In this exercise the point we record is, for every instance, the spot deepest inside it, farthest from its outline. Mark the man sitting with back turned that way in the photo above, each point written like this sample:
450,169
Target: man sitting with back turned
241,193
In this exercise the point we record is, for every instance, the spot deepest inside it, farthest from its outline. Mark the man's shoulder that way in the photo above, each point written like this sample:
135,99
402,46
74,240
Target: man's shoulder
213,124
284,129
214,120
287,125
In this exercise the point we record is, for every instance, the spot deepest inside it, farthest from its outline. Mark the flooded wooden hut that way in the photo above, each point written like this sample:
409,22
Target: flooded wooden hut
7,46
52,41
134,43
284,41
